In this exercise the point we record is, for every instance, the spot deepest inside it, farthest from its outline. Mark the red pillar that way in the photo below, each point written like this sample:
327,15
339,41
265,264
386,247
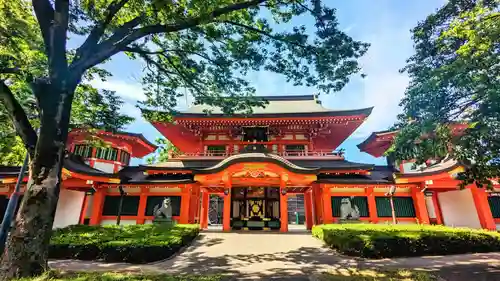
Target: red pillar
143,200
185,202
85,206
317,204
327,205
194,209
308,209
205,197
372,205
226,212
420,206
97,204
483,208
437,208
283,210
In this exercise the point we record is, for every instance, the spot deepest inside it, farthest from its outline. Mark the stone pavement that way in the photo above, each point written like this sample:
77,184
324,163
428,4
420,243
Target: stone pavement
295,255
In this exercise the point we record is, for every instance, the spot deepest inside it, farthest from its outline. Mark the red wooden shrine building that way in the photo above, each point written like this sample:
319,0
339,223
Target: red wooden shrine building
266,170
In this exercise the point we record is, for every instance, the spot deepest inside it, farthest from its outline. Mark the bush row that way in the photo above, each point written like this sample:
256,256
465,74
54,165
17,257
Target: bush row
387,241
132,244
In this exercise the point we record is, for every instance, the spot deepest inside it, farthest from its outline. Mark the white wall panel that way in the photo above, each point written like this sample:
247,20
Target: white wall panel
458,208
69,208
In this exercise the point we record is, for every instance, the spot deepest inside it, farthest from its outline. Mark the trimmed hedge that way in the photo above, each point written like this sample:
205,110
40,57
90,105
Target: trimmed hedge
387,241
131,243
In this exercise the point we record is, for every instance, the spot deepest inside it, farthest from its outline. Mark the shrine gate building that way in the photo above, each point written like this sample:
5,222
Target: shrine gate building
254,166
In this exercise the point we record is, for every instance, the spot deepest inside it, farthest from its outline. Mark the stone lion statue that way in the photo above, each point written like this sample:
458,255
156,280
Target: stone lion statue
163,210
348,211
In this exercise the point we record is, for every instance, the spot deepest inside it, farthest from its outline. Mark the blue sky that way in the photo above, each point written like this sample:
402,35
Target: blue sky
385,24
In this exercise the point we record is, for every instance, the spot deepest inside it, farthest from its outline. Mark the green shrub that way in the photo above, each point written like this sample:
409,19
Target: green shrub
386,241
132,243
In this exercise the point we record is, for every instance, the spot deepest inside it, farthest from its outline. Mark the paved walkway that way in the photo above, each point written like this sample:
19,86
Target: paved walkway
293,255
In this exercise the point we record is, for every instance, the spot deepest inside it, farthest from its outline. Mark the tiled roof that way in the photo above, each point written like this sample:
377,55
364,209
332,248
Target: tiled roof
378,175
72,163
305,105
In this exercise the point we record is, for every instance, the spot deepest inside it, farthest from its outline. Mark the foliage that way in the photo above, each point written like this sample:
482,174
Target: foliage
21,59
162,154
186,46
455,75
98,110
54,275
133,243
387,241
355,274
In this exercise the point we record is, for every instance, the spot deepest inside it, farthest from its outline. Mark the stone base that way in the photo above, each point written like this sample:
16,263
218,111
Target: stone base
163,221
350,221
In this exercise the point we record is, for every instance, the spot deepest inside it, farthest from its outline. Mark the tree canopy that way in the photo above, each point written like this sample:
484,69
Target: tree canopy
164,151
22,59
455,78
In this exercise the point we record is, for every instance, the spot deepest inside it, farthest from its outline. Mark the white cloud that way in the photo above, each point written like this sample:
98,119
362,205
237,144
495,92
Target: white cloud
131,110
127,90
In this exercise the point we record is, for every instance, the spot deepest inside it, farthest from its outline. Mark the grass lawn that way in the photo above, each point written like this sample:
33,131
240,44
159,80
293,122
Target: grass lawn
372,275
337,275
67,276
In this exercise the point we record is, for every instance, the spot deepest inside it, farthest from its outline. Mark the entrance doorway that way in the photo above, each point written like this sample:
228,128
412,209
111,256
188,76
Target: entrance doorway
296,211
215,210
255,208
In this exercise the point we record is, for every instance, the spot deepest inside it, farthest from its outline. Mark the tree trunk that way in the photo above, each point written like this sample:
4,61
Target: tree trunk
26,252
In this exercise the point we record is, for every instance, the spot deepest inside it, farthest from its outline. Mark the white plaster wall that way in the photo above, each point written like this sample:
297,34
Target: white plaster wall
69,208
122,222
105,167
458,208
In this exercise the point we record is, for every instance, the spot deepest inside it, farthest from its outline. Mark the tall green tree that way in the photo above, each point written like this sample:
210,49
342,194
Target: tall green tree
455,77
203,46
162,154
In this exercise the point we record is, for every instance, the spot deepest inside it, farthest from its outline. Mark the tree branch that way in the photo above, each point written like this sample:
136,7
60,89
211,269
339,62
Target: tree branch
57,56
44,15
19,118
105,49
147,52
253,29
99,29
10,70
139,33
182,74
127,33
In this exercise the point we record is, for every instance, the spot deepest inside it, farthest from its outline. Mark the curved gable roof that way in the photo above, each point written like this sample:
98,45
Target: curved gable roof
256,157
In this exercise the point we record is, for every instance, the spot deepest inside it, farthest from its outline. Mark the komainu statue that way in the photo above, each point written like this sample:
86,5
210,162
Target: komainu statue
348,211
163,210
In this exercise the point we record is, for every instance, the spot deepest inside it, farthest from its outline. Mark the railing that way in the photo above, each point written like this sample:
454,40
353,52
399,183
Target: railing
288,154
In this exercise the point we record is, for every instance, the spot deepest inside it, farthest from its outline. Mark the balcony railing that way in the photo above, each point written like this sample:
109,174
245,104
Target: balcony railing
288,154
